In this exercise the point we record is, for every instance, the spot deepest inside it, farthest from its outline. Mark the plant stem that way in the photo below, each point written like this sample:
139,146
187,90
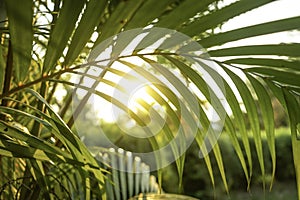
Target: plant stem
71,69
8,73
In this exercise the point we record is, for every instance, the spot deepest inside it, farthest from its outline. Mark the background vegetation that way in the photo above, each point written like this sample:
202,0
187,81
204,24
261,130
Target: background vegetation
45,42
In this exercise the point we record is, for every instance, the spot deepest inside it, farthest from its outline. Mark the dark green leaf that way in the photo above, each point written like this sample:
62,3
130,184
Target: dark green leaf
90,19
251,31
140,20
214,19
62,31
278,75
252,113
268,118
182,13
293,108
117,20
21,32
267,62
292,50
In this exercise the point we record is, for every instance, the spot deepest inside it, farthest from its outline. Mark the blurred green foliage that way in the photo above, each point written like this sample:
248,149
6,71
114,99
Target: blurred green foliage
196,179
197,182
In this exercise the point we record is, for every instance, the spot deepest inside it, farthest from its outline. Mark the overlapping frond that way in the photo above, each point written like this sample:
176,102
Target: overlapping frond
174,45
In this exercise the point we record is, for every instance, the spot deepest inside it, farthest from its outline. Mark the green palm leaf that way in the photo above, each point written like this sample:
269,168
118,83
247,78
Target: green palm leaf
20,21
46,57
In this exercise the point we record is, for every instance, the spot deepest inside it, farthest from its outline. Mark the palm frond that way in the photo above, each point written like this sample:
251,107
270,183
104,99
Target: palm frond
234,80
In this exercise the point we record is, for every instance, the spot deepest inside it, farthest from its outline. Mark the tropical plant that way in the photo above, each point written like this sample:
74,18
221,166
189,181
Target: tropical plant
44,43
